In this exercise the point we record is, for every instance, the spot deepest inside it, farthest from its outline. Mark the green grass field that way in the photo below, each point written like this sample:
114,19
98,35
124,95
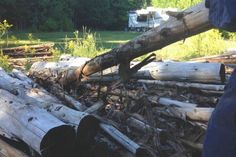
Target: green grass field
105,39
209,43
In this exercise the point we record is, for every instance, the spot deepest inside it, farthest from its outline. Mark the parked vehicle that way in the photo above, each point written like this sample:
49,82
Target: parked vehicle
145,19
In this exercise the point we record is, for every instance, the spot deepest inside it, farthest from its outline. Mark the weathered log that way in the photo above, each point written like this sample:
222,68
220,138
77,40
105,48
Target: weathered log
188,110
200,86
199,114
54,90
169,102
95,107
29,51
35,126
189,72
194,22
28,60
7,150
41,98
125,141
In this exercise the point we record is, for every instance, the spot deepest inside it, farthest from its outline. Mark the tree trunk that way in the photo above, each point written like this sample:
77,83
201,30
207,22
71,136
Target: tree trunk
193,22
35,126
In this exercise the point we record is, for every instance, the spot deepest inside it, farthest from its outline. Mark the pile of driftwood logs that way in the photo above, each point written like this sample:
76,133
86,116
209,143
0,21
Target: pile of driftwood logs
23,55
92,108
151,115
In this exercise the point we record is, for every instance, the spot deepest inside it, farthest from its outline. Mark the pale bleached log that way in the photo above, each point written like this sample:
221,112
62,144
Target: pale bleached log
41,98
57,91
169,102
125,141
7,150
199,113
95,107
201,86
36,127
188,72
189,110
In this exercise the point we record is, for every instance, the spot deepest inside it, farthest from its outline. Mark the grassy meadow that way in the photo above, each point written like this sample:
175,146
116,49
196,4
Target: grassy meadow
89,44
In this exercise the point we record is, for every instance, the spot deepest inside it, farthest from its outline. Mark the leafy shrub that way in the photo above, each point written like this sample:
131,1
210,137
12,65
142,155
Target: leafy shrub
85,46
4,27
4,62
208,43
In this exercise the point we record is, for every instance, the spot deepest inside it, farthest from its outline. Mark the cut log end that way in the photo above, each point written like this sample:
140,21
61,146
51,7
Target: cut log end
222,73
87,129
58,141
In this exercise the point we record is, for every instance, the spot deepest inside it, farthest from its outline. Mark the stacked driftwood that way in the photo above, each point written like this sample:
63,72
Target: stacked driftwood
23,55
96,108
164,108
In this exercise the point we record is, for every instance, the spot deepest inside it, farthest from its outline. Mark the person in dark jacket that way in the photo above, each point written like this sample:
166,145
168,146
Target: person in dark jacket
220,140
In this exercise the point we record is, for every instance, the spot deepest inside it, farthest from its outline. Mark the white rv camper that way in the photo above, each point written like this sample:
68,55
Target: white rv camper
145,19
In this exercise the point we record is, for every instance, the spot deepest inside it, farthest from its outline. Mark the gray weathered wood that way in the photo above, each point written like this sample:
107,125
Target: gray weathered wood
41,98
201,86
125,141
34,126
188,72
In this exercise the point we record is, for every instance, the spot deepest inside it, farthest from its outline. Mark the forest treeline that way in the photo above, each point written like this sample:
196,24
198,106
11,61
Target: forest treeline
66,15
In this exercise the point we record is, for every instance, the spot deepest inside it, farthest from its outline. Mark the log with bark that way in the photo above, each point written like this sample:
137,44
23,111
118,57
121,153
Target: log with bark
174,71
36,127
194,21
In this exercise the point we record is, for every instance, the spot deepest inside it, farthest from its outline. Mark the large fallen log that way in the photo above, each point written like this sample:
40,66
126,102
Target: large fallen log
173,71
193,21
36,127
188,72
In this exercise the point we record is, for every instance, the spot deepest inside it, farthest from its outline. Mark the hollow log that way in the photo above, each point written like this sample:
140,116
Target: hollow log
193,22
36,127
41,98
212,87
